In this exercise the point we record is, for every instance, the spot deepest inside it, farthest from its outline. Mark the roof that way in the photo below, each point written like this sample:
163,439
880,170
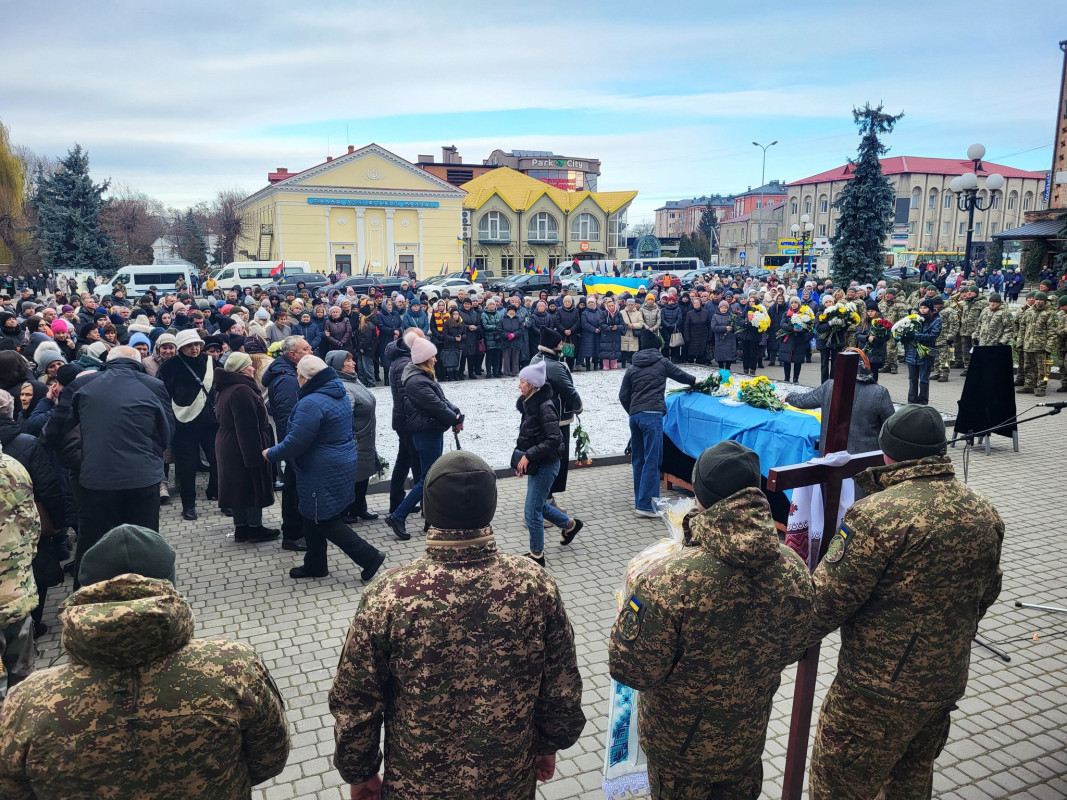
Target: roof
774,187
1042,229
716,200
899,165
752,214
519,192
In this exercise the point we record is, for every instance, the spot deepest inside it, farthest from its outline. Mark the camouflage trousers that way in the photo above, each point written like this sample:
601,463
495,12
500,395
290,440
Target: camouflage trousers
891,356
957,350
1034,369
746,785
966,343
944,360
864,746
16,654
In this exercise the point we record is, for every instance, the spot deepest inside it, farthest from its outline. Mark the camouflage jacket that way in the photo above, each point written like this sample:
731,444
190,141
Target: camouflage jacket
20,527
950,325
994,327
1040,333
142,710
972,310
1061,338
908,576
706,635
468,657
1019,322
895,311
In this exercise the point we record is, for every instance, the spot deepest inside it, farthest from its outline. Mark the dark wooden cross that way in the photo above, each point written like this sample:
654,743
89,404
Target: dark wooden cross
830,478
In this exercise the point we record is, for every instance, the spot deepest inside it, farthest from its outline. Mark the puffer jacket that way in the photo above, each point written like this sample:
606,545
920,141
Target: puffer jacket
705,635
652,317
311,332
281,384
490,324
927,336
470,338
399,355
338,334
670,316
366,337
416,319
27,450
426,409
646,379
389,323
540,437
318,443
512,325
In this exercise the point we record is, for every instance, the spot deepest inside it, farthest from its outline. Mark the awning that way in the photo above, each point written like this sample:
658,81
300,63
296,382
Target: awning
1042,229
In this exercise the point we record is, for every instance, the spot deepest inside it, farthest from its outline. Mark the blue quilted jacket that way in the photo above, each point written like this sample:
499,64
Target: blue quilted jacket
319,444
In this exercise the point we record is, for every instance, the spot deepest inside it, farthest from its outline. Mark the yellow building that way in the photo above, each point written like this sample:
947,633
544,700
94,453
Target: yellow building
366,209
513,220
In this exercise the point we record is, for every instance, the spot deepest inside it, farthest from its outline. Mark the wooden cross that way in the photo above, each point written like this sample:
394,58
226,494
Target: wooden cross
830,478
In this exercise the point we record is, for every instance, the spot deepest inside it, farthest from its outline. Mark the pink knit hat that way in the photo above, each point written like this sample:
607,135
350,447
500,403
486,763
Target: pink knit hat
60,325
422,350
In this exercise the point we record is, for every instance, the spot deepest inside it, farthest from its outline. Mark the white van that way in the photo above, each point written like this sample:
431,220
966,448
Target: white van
138,278
246,274
570,274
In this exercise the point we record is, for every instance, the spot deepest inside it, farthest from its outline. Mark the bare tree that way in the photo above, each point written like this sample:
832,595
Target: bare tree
227,223
637,230
134,221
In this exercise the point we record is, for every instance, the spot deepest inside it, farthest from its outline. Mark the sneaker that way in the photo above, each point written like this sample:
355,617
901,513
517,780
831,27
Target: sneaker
369,572
640,512
571,532
537,559
297,545
304,572
398,527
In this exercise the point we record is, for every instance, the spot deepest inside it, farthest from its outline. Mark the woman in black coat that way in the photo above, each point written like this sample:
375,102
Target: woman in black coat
246,484
453,333
569,327
794,344
471,334
696,330
871,345
366,343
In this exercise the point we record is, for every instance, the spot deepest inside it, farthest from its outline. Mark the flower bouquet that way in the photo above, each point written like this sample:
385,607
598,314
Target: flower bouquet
582,452
906,328
839,316
880,329
707,386
803,320
758,317
759,393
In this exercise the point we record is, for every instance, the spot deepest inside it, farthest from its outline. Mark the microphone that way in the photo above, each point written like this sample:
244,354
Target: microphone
1058,404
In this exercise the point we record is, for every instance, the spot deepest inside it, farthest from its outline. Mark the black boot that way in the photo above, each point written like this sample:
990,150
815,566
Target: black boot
189,510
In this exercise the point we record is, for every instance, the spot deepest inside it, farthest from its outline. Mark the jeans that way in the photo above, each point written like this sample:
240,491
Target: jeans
251,517
919,383
537,509
407,460
101,510
646,448
365,365
429,446
316,534
560,484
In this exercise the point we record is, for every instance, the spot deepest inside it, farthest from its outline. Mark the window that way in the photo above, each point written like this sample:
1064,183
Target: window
742,234
543,228
822,229
617,230
995,201
929,228
1011,201
824,205
945,228
932,204
1028,200
948,201
978,229
793,207
911,228
507,265
585,228
916,196
672,215
962,230
993,228
807,205
494,227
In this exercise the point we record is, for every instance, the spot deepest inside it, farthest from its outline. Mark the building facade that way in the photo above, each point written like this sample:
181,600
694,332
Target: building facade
745,234
451,167
368,210
927,217
569,173
746,202
516,220
684,216
1058,187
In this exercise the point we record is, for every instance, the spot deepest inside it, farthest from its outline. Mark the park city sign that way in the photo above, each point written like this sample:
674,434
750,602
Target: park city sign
568,163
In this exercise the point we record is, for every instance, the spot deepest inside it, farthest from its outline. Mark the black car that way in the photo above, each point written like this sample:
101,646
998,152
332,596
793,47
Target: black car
528,283
310,280
362,284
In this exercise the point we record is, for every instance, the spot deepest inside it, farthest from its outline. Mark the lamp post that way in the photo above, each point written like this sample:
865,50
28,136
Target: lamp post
966,189
803,234
762,181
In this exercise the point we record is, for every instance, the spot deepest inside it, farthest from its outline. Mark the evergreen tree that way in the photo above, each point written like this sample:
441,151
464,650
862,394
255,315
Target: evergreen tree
1061,257
196,245
685,247
68,217
865,204
701,247
1034,260
994,256
709,226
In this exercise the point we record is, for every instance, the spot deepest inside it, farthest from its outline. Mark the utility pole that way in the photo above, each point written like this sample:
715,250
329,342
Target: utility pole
762,181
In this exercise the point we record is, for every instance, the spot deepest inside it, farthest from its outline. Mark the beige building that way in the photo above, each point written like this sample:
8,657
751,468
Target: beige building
366,210
741,234
684,216
1058,188
927,216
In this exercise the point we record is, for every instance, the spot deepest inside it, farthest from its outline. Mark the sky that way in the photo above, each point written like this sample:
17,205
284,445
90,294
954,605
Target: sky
181,100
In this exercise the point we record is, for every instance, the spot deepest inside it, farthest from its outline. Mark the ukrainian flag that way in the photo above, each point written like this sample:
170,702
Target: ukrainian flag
602,284
474,274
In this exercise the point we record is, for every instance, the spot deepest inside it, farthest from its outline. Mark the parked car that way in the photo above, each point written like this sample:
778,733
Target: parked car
450,287
529,282
690,278
298,281
893,274
361,284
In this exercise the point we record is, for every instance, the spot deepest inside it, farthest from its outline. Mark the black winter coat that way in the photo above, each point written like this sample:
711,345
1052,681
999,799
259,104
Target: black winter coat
470,338
564,395
611,340
697,331
569,319
389,322
794,348
367,338
26,450
540,437
245,478
646,379
281,384
426,409
591,321
399,355
509,324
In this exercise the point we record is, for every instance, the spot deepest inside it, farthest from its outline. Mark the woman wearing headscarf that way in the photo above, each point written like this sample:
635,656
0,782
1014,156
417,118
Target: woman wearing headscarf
723,325
318,443
364,426
697,331
246,481
611,328
189,378
569,327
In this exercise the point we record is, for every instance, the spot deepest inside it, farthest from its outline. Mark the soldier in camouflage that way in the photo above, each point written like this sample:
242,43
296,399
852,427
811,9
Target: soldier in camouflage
994,326
894,309
706,634
20,528
1038,343
143,709
913,568
1061,341
467,656
969,316
950,328
1019,324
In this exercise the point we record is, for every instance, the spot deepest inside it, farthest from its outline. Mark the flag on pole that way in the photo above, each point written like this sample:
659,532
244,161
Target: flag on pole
277,270
473,273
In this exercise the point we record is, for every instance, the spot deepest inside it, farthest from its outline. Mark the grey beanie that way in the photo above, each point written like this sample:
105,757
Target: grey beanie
124,549
459,492
994,297
913,432
336,359
724,469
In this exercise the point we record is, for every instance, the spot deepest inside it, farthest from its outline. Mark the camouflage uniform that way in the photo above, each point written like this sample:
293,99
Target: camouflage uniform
20,527
705,638
994,327
1061,346
969,316
142,710
950,327
469,657
1039,341
1019,323
894,312
912,570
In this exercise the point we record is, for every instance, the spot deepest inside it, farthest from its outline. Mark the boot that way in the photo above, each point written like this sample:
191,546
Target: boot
164,493
369,571
1024,390
255,533
1039,392
1063,387
189,510
893,369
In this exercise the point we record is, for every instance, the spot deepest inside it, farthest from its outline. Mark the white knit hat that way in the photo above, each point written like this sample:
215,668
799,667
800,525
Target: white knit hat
187,337
310,366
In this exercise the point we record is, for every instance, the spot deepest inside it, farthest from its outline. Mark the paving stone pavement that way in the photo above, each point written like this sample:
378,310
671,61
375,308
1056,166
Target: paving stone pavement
1009,737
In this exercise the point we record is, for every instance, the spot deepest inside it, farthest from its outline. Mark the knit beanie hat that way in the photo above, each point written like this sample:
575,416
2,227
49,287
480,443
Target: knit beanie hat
237,341
336,359
140,338
67,373
7,404
550,338
225,323
534,374
649,340
125,549
459,492
1040,296
995,298
913,432
422,350
97,350
47,353
186,338
310,366
235,362
262,314
724,469
166,338
60,325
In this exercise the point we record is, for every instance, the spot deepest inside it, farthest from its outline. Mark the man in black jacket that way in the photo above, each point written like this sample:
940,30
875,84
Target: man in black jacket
565,397
398,354
641,394
126,424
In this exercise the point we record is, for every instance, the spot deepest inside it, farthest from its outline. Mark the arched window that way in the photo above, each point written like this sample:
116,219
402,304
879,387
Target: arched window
1013,200
948,200
916,197
585,228
824,204
932,204
543,228
807,204
1028,201
494,227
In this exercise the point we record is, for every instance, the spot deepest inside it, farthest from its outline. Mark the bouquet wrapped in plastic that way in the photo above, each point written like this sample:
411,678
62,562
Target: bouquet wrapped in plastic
839,316
759,393
906,328
758,317
880,329
802,321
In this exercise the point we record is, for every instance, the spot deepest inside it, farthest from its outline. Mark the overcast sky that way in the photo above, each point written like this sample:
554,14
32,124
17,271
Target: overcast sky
180,100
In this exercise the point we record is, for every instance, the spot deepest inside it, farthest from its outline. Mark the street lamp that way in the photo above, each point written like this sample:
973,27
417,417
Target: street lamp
803,235
762,181
966,189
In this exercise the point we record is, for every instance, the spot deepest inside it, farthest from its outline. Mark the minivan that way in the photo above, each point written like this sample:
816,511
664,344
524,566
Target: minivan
246,274
139,278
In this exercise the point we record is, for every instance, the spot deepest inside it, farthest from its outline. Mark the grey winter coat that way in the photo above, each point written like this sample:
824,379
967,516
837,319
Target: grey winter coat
870,408
725,341
364,425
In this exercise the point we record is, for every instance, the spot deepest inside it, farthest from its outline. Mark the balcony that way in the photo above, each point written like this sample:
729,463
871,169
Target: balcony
543,238
485,237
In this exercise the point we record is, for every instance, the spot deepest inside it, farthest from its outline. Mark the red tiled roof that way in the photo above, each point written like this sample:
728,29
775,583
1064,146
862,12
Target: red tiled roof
898,165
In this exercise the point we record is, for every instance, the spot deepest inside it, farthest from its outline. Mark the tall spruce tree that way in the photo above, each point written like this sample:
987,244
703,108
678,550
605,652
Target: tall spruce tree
685,247
709,226
196,246
68,207
865,204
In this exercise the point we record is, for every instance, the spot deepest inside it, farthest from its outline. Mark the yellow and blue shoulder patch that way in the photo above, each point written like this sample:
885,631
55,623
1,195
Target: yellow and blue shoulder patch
635,604
836,551
629,624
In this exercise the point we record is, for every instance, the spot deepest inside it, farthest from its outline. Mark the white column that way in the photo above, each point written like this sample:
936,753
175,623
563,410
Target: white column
329,249
389,255
418,253
357,268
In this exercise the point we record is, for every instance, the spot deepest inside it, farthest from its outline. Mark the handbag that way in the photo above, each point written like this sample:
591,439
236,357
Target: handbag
568,350
677,340
517,456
